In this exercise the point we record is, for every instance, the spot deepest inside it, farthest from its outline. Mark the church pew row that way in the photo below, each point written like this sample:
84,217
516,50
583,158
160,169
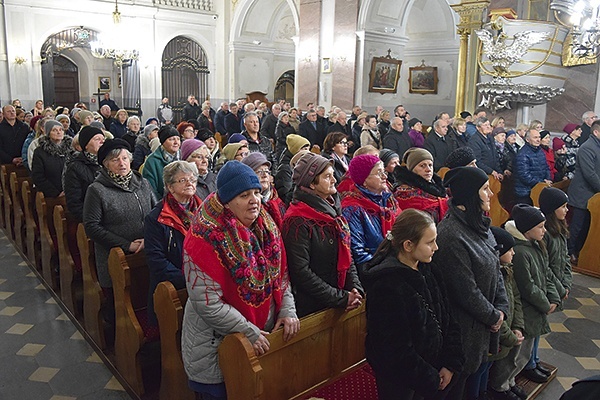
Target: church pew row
15,184
589,256
68,260
7,201
130,279
330,344
44,208
32,229
497,213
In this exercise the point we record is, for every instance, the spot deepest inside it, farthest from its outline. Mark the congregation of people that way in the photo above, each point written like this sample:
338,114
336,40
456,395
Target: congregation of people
267,215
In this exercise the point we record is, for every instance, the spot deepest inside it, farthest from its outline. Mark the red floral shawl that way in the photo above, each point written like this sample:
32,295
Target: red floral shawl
387,215
299,209
174,215
249,264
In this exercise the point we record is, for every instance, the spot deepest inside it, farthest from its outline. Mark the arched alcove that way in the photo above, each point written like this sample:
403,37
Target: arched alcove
284,88
184,72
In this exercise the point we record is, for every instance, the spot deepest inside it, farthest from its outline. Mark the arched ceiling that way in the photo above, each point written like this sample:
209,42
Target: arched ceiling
272,21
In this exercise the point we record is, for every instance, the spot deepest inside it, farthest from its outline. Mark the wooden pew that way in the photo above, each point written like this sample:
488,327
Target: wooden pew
32,228
5,171
443,171
130,279
93,298
497,213
44,208
168,305
329,343
589,256
15,183
69,263
535,192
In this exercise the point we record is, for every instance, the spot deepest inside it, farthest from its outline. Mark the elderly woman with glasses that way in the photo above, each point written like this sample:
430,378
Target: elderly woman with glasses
317,241
195,151
166,226
417,186
369,207
270,198
335,147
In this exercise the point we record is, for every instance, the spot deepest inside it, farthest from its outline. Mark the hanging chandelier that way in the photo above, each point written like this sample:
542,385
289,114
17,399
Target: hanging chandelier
583,16
113,44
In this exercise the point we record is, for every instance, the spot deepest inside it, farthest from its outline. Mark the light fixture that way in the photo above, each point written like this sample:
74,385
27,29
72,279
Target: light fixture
20,60
114,44
583,17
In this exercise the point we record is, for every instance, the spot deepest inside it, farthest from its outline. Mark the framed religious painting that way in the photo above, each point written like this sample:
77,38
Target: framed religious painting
104,83
385,72
423,80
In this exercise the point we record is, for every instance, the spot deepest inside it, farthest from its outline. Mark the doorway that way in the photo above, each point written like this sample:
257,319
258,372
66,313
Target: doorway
284,88
66,82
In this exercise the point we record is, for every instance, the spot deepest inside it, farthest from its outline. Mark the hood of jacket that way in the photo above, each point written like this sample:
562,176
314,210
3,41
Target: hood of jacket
381,267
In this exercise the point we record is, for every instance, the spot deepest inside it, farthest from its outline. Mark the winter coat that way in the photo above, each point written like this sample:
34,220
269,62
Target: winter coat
549,154
140,152
191,111
439,148
281,133
48,164
25,149
586,181
12,138
268,125
470,266
456,140
411,333
220,121
79,175
398,142
232,124
163,245
131,138
370,137
312,134
412,191
206,185
514,319
384,128
205,122
153,171
312,256
559,263
417,139
339,169
535,283
114,216
530,169
485,154
283,178
262,145
117,129
572,146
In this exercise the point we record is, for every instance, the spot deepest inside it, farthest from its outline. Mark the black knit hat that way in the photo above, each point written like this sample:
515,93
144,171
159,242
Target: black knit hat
87,133
109,146
552,198
504,240
465,114
413,122
460,157
204,134
386,156
166,132
464,183
544,133
526,217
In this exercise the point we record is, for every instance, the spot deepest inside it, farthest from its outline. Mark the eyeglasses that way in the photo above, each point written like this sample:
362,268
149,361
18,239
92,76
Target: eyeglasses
263,172
198,157
192,180
243,155
344,143
380,174
189,130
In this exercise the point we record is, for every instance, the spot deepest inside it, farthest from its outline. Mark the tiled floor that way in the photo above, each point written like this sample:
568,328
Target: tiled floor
42,354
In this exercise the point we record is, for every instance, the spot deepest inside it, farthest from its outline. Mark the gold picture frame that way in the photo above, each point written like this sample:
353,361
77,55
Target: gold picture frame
384,75
104,84
423,80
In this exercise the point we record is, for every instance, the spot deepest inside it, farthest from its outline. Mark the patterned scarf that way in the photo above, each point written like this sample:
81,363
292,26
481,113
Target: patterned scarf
178,216
92,157
299,209
387,214
249,264
121,180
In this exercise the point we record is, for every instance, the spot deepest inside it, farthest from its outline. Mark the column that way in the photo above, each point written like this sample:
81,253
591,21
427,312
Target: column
307,50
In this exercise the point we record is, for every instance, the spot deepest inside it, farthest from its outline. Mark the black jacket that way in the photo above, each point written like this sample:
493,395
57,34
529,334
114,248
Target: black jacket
268,126
232,124
486,156
399,142
203,122
281,133
439,149
11,140
79,174
191,111
411,333
219,121
48,164
283,178
312,255
314,136
339,170
455,140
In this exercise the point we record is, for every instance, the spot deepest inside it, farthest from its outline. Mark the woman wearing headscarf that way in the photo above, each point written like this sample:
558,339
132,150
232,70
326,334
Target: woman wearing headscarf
317,241
170,141
194,151
470,266
236,276
270,198
166,226
49,159
417,186
369,207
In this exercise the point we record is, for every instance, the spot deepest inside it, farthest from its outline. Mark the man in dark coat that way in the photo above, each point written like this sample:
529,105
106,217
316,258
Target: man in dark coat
12,136
312,130
107,101
270,122
531,167
437,145
107,118
220,118
397,139
486,156
587,120
192,109
232,120
256,141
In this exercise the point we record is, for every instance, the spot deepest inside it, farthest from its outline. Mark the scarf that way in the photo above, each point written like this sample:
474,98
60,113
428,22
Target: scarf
342,160
387,214
275,207
176,215
92,157
248,264
299,209
122,181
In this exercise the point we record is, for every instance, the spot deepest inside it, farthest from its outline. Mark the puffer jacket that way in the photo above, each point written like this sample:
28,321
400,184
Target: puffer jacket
114,216
79,175
534,281
312,255
531,168
411,333
282,131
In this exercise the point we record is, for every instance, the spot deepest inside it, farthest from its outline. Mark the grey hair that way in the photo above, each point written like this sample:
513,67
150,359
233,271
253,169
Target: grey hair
250,114
480,121
283,114
436,123
586,115
114,154
132,118
528,133
173,168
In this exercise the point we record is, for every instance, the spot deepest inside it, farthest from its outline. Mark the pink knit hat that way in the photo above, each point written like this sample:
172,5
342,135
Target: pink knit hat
361,166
